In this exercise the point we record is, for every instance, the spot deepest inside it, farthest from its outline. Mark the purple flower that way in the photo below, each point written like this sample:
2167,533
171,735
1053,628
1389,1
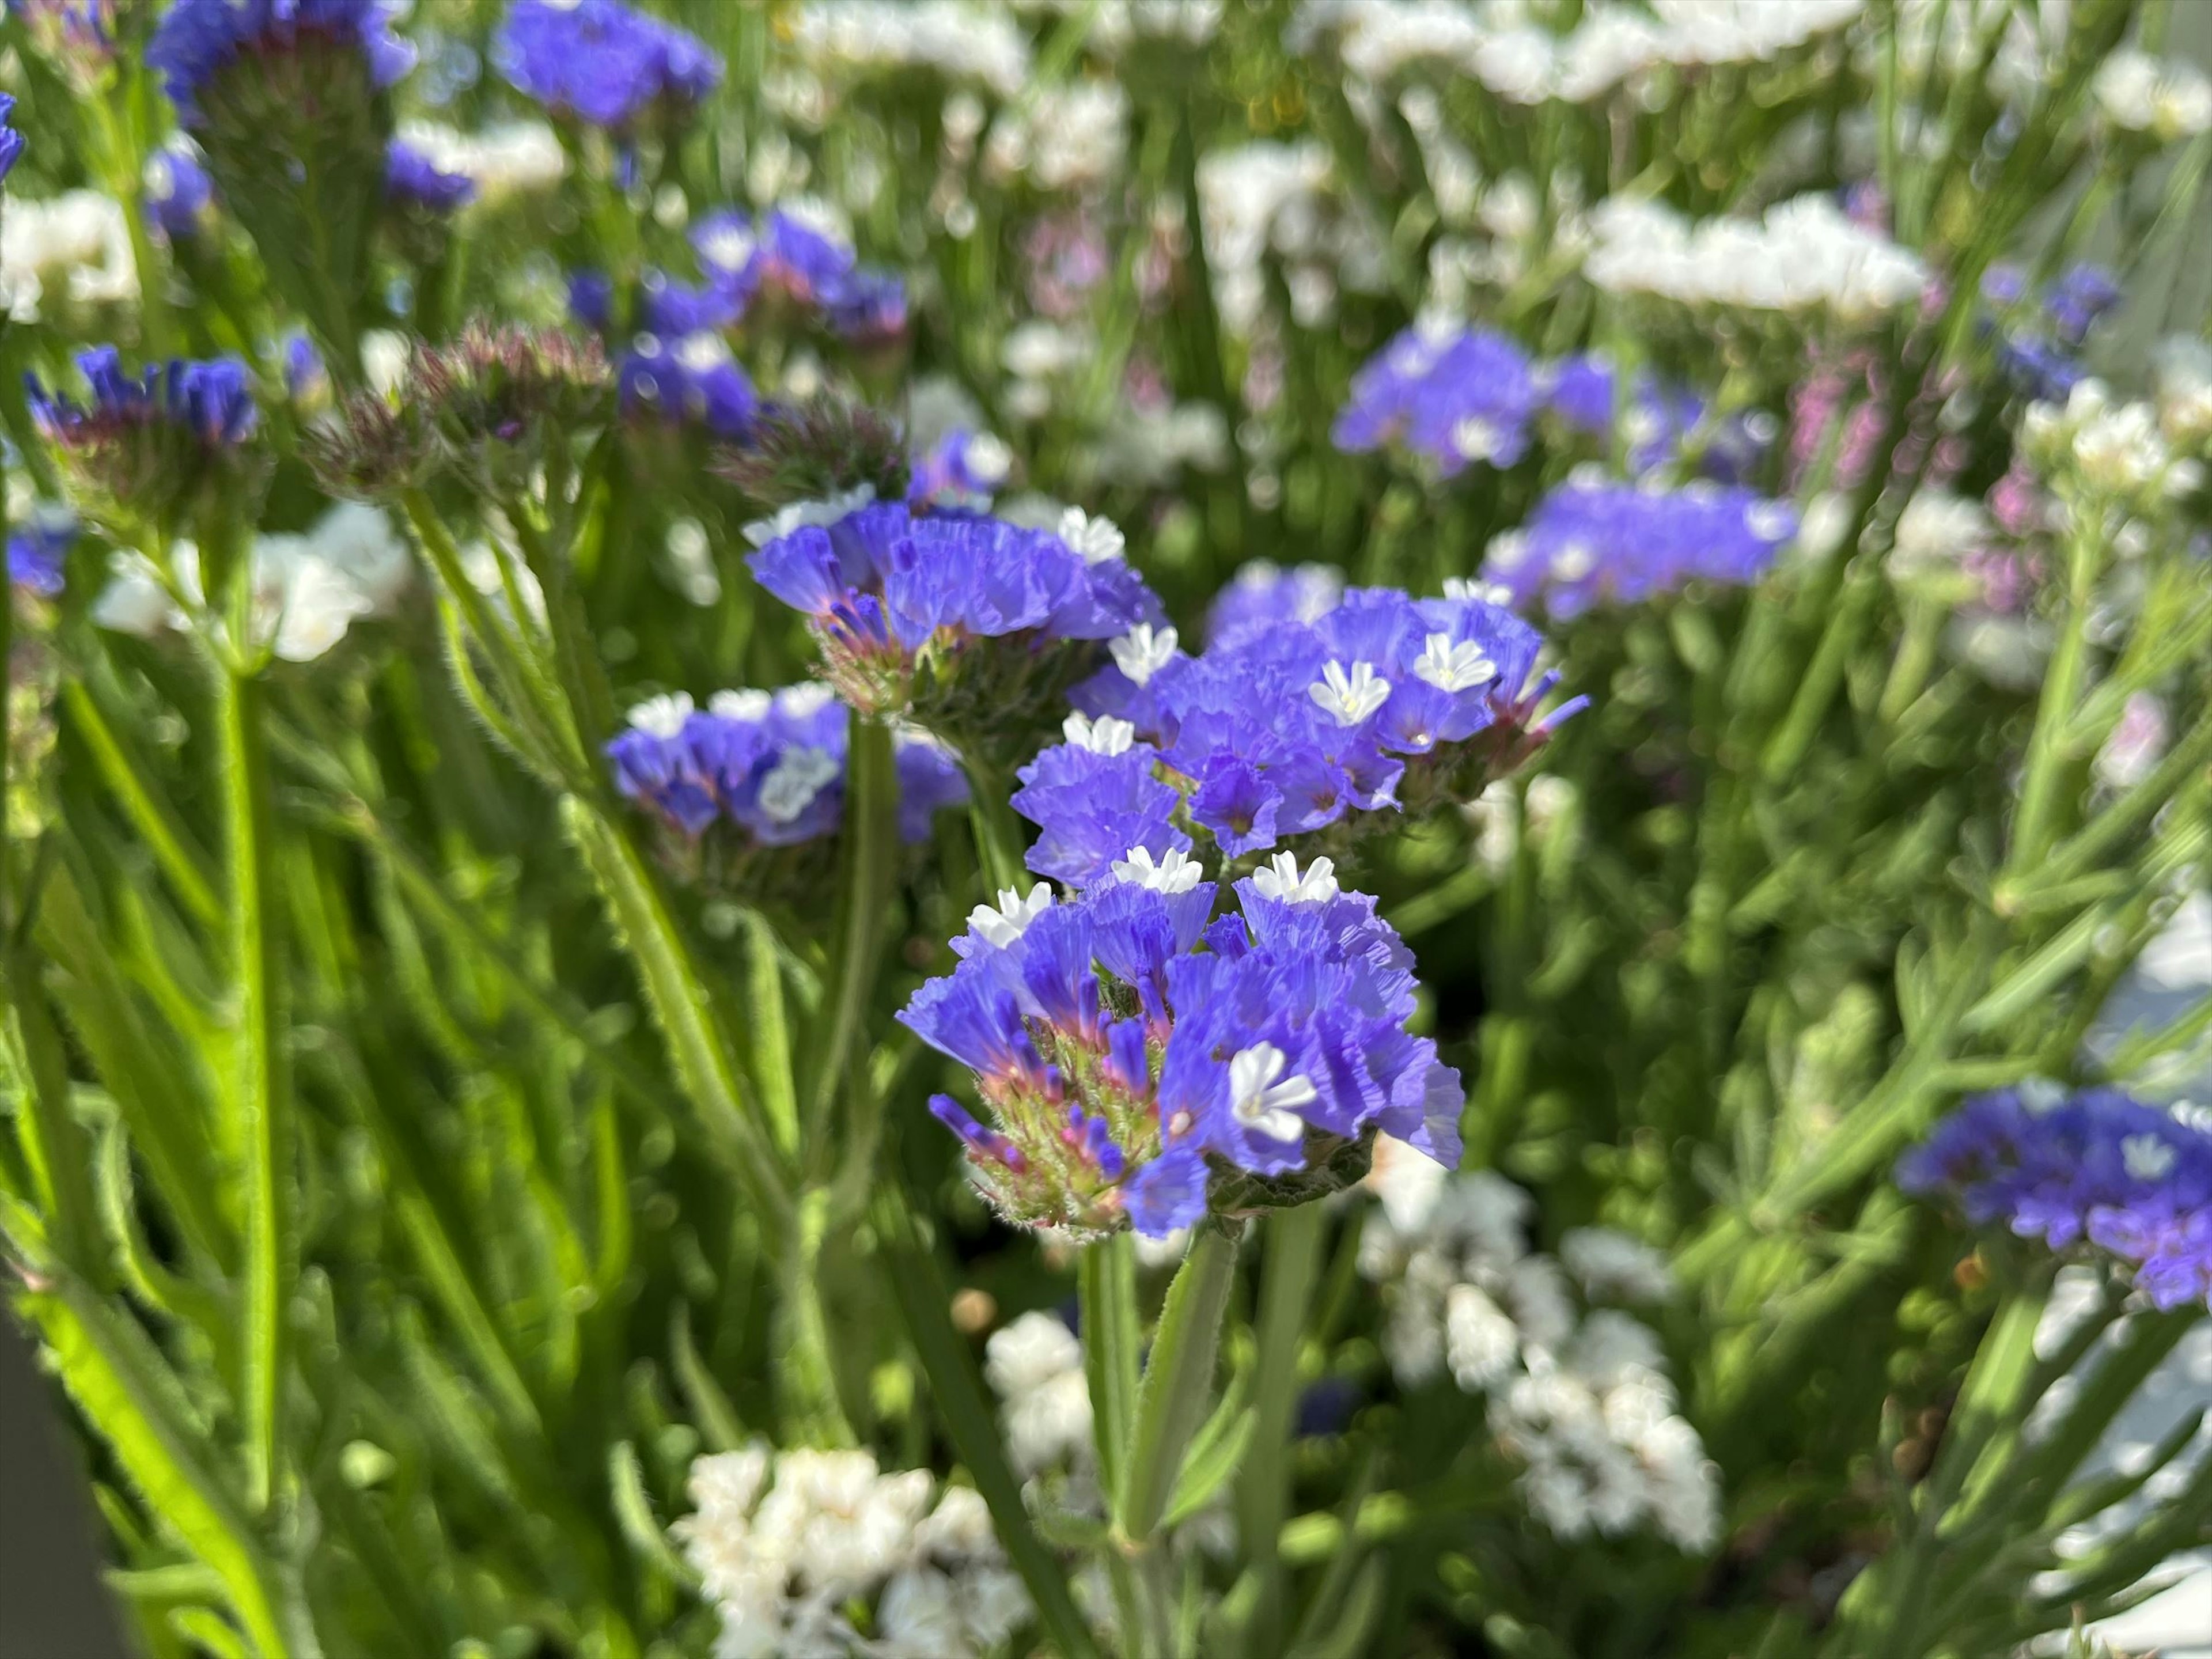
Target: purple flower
1263,595
1450,397
691,380
207,402
11,142
412,177
676,309
2099,1168
600,62
2076,300
591,299
868,308
196,39
965,469
1131,1054
38,551
179,196
1598,541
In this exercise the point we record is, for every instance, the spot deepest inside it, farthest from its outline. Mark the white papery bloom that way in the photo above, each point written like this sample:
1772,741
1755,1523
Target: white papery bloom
1006,921
1103,735
1093,535
2165,97
1262,1098
79,240
1349,698
504,160
1606,1263
1143,652
1936,531
1248,196
1035,1364
1805,255
1177,872
961,41
2183,370
799,514
1280,878
2115,450
1073,135
1450,667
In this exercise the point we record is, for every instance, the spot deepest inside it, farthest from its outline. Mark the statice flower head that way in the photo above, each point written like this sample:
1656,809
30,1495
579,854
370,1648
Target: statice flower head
692,379
1277,731
180,197
148,447
1263,595
2099,1170
963,469
413,179
755,770
1142,1061
1592,541
1662,421
2041,350
11,142
1446,395
973,626
197,40
602,63
39,552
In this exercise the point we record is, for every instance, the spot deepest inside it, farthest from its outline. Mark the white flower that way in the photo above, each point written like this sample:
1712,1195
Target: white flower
1607,1263
881,36
2148,1157
1474,588
745,704
80,238
1035,1365
1176,872
805,697
1349,699
1259,1102
504,160
1103,735
1936,531
1143,652
318,603
1805,255
1451,667
1096,536
2165,97
1002,925
760,531
1482,1341
1406,1181
662,716
801,773
1279,879
1073,134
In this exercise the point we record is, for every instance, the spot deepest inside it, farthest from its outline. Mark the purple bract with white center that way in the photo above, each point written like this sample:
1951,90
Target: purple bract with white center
2100,1167
770,764
179,196
196,38
413,178
601,61
1591,542
1450,396
1135,1052
1281,730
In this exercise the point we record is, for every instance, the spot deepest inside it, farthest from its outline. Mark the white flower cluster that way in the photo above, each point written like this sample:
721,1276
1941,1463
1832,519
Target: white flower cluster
1068,136
1578,1394
1268,195
784,1541
79,239
1117,25
2183,370
308,589
2162,96
1035,1365
2113,451
961,41
1805,255
1934,534
1524,63
504,160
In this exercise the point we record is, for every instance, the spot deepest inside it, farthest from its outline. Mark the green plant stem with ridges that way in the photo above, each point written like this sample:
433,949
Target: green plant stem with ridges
1106,1287
1292,1240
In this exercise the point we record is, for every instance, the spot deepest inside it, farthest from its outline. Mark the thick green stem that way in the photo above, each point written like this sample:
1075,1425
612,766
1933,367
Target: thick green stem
1106,1284
998,831
1178,1377
806,1379
165,837
2035,825
256,1094
1292,1239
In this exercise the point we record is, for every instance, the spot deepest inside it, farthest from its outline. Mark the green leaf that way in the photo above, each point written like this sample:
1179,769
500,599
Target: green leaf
1216,1454
634,1513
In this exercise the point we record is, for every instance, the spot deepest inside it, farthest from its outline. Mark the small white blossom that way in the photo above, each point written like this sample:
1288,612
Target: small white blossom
1280,878
1175,873
1096,536
745,704
1143,652
1259,1102
2165,97
1011,917
79,239
1035,1366
1474,588
801,773
1607,1263
760,531
1451,667
662,716
504,160
2148,1157
1103,735
1350,699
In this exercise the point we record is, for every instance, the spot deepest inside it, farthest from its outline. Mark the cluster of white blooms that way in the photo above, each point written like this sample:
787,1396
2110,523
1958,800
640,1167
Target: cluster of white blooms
961,41
2183,371
1500,45
1804,255
308,589
79,239
1951,38
1117,25
784,1542
1068,137
2113,452
1579,1393
2162,96
1147,447
1264,196
1035,1365
504,160
1934,532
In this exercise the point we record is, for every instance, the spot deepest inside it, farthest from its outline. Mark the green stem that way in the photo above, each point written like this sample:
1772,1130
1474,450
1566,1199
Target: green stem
1292,1241
2035,825
1106,1287
258,1091
868,872
1178,1377
807,1377
998,841
151,817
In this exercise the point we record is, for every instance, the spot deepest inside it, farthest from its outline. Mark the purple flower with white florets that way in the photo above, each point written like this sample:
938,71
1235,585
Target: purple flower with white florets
413,179
38,552
689,379
1592,540
180,197
2100,1169
1662,418
1263,595
600,62
963,469
1448,395
153,443
196,39
11,142
972,625
1377,700
1141,1058
800,253
769,765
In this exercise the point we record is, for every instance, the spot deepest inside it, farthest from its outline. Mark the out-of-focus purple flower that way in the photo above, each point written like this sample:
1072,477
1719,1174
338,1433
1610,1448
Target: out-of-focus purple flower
179,196
196,39
868,308
2100,1169
1123,1040
1450,396
962,470
307,378
693,379
78,36
1263,595
591,299
38,552
600,62
209,401
2076,301
675,309
1596,542
11,142
413,178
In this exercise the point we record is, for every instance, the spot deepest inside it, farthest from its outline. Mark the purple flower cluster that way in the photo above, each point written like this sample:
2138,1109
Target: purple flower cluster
208,402
771,764
180,197
412,179
1284,726
37,553
11,142
1591,541
693,379
196,39
1136,1054
600,62
2100,1167
798,254
2041,353
1450,396
1262,595
1662,418
961,469
898,600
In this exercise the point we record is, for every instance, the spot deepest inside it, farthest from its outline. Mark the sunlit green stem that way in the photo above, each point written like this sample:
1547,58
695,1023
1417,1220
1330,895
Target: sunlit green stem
1171,1401
1293,1240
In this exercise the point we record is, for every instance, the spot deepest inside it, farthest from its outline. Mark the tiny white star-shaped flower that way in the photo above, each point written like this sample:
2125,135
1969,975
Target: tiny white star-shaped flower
1259,1102
1011,918
1103,736
1451,667
663,716
2148,1157
794,780
1280,880
1095,536
740,705
1350,698
1474,588
1144,651
1175,871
